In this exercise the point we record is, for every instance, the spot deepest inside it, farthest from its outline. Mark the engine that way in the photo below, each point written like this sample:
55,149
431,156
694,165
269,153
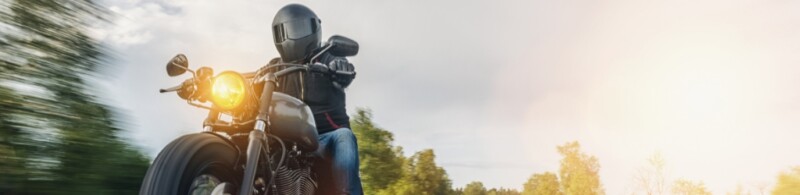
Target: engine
296,180
295,175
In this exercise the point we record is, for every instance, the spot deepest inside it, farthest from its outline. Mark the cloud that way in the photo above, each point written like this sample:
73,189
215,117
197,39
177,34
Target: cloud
495,87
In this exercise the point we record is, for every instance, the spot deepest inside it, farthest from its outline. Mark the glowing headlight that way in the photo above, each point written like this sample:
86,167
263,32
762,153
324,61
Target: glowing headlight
228,90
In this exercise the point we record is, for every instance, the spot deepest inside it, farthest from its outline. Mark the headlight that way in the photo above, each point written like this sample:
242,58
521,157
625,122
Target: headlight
228,90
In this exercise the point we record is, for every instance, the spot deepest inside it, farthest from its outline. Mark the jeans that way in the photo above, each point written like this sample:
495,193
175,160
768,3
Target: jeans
339,152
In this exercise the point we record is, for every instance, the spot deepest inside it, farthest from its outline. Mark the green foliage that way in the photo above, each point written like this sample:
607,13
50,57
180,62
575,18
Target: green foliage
788,182
421,176
55,138
475,188
542,184
502,191
15,147
686,187
384,169
381,163
579,172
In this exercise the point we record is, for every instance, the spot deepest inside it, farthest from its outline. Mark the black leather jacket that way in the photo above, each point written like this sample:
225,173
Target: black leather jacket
322,91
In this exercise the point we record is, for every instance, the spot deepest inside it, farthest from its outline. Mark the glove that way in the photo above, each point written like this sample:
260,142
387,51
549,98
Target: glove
343,72
341,66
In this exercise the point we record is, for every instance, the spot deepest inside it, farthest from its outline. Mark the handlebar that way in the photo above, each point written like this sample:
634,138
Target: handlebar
185,88
171,89
179,87
290,68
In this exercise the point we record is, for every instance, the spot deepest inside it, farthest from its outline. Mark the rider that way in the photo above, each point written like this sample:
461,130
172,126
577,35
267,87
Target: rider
297,36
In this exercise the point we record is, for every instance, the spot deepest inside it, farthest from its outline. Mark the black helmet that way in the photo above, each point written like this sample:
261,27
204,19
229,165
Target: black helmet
296,32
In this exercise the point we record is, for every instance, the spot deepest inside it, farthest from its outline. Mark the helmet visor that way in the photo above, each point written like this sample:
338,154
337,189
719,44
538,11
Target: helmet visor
295,29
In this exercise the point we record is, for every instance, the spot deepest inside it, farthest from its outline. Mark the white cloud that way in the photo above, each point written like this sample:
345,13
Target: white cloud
494,87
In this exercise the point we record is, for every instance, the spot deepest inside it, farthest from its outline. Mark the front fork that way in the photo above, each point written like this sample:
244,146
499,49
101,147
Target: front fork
258,136
253,153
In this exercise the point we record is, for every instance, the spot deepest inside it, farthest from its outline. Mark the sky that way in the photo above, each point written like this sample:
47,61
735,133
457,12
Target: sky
494,86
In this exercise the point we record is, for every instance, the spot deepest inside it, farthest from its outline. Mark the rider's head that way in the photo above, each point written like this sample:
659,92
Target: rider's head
296,32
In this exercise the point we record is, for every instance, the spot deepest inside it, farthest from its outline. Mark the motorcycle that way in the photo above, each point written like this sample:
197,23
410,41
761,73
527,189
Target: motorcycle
254,140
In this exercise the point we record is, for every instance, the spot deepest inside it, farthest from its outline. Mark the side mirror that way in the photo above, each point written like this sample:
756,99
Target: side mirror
178,65
342,46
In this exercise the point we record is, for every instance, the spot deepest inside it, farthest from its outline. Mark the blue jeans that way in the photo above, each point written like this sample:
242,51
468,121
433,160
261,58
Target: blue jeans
339,152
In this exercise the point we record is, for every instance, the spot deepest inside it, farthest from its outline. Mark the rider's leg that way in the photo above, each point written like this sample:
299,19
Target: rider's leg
342,151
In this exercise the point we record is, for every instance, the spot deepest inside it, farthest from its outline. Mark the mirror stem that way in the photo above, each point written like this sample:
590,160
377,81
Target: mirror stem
327,47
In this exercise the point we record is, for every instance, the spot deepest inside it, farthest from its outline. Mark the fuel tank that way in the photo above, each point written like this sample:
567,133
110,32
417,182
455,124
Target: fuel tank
292,120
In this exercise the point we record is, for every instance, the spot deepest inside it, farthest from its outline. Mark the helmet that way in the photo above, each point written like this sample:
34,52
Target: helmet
296,32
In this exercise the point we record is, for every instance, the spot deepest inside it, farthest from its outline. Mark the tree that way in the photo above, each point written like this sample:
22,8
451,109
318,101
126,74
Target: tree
381,164
541,184
579,172
761,187
739,191
651,179
15,144
686,187
61,140
788,182
384,169
502,191
421,176
475,188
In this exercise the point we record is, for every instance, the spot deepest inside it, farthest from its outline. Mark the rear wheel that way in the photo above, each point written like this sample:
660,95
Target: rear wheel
192,164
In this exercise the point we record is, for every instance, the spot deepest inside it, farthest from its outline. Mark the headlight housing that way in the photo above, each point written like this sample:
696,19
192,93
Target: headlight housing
228,90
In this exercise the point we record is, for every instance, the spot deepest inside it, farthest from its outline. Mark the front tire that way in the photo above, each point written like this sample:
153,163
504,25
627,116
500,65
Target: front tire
192,164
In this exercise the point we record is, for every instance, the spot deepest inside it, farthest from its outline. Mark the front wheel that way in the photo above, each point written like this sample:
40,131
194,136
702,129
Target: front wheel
192,164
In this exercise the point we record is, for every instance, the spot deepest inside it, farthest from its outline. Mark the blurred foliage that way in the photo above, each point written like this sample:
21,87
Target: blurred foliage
788,182
579,172
55,137
384,169
686,187
380,163
541,184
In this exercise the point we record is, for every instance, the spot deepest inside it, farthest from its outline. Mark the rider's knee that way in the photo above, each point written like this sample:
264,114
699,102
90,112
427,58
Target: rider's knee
344,135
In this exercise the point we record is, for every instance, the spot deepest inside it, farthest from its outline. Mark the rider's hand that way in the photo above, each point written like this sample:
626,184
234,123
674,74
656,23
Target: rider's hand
343,72
340,65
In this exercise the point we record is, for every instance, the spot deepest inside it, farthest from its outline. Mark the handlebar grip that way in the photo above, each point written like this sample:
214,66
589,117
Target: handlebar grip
171,89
